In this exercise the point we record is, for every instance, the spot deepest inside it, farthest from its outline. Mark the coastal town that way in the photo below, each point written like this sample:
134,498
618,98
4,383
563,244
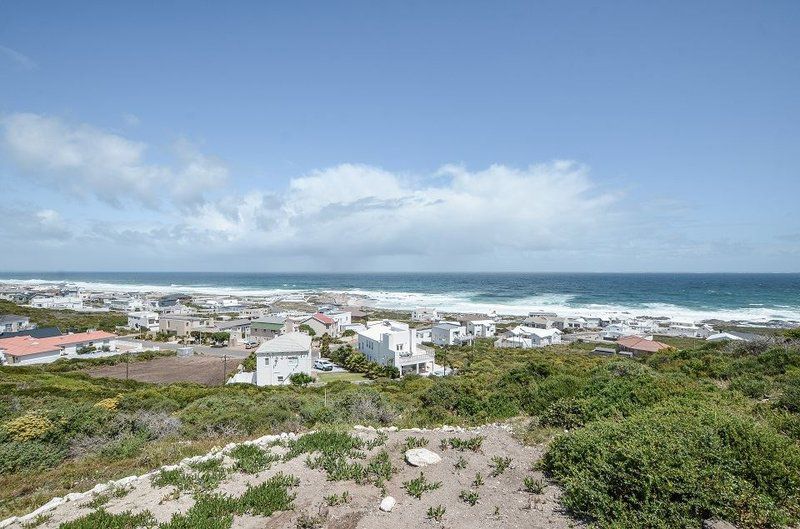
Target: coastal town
285,334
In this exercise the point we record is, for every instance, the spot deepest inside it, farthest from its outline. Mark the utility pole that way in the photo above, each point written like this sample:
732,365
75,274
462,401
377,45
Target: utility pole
127,364
224,368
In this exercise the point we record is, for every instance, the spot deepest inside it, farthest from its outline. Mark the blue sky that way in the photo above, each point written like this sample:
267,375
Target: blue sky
541,136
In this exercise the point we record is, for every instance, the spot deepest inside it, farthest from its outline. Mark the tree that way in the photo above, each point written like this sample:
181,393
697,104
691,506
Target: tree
307,329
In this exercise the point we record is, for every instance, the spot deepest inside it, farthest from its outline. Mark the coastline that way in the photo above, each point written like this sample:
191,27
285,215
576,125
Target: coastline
454,302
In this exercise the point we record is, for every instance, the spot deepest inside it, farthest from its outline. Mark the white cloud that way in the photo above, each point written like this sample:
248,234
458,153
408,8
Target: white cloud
366,212
88,161
131,120
20,59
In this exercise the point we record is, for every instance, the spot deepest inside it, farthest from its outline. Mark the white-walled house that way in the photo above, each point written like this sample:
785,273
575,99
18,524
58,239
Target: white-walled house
391,343
528,337
143,320
342,318
280,358
26,350
183,325
480,328
14,323
425,314
449,333
424,335
58,302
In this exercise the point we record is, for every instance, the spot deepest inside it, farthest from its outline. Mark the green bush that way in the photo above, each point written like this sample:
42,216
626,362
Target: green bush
674,465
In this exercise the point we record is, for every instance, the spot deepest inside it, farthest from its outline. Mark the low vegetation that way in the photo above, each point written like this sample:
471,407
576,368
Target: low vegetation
709,430
67,320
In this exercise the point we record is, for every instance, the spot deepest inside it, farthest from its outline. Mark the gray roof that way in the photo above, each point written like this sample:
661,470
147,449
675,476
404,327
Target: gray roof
447,326
10,318
230,324
271,319
292,342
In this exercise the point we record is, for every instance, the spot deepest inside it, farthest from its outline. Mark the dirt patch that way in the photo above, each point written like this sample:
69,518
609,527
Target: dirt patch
502,499
207,370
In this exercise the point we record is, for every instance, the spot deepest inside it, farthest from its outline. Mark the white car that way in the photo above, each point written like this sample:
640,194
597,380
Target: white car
323,365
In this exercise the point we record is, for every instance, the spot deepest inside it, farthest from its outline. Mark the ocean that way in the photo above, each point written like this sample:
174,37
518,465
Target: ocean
755,298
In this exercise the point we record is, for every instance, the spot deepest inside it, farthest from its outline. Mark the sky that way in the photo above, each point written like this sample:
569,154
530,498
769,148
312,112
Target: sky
400,136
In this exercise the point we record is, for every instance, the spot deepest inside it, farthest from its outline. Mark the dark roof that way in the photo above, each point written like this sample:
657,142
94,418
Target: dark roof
44,332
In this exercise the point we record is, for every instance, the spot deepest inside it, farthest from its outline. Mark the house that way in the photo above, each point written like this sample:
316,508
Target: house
479,328
342,318
26,350
37,332
687,329
183,325
639,346
269,327
528,337
424,335
144,320
594,322
607,351
125,304
391,343
734,336
538,322
280,358
615,331
449,333
425,314
322,324
58,302
239,330
542,314
14,323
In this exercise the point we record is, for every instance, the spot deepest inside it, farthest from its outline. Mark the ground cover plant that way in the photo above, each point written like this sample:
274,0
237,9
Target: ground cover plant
62,431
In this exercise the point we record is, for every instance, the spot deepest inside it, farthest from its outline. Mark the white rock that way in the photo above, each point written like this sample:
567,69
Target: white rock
422,457
124,482
387,504
8,521
99,488
391,429
74,496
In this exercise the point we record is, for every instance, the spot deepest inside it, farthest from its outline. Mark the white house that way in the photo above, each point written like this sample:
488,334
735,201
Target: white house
14,323
280,358
734,336
424,335
143,320
343,318
449,333
391,343
480,328
528,337
616,331
58,302
239,330
425,314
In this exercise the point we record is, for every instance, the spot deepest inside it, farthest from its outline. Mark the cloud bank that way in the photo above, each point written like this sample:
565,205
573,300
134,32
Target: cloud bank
348,213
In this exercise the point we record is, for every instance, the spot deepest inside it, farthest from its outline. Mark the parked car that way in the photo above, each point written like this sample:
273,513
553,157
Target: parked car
323,365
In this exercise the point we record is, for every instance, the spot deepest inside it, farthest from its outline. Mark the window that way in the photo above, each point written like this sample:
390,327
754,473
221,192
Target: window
280,378
293,362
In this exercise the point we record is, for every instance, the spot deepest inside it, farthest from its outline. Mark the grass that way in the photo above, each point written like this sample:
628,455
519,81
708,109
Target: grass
269,497
533,485
419,486
478,481
337,499
473,444
436,513
461,463
415,442
469,497
499,465
210,511
101,499
66,320
329,378
202,476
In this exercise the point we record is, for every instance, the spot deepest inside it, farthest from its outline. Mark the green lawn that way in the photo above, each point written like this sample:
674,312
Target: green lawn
335,377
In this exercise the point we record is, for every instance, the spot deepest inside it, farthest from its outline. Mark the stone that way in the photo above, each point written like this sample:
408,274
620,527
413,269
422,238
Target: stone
387,504
422,457
74,496
9,521
717,524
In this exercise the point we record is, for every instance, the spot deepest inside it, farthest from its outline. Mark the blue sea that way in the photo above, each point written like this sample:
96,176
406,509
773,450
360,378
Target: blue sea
757,298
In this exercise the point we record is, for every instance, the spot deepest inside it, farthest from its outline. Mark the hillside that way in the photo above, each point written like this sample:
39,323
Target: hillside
669,441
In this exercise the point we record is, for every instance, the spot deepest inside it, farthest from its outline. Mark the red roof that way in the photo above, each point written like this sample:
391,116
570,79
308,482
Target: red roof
637,343
320,317
28,345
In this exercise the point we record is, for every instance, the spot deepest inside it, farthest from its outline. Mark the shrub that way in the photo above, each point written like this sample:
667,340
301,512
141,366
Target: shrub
300,379
31,455
415,442
28,427
754,386
478,481
675,465
499,465
210,511
533,485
